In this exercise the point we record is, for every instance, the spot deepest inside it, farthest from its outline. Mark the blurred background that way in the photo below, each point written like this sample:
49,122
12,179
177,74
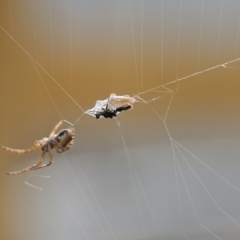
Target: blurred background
169,168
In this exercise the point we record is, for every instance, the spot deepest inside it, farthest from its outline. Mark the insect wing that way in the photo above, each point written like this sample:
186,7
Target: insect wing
115,102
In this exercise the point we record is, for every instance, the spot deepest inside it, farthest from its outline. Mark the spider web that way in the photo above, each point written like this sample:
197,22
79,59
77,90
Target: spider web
168,169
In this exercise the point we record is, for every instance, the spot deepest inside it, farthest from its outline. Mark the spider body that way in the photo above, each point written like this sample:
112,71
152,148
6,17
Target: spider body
62,142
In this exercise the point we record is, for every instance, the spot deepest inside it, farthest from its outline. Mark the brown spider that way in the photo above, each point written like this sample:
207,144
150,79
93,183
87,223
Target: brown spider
62,142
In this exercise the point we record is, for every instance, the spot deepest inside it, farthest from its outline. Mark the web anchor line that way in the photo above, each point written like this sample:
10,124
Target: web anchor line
131,166
34,186
134,47
42,68
205,188
199,160
189,195
95,198
85,197
224,65
176,145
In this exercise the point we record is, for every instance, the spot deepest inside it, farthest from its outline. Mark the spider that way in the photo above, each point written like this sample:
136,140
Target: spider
62,142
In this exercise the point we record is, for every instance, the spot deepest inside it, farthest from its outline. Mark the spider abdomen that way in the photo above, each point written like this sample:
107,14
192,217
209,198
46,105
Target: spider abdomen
64,137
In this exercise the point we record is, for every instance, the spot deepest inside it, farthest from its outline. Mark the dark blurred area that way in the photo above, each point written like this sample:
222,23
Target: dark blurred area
123,179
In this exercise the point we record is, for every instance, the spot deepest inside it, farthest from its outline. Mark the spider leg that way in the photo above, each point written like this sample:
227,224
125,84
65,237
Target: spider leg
19,151
56,128
50,161
30,167
60,150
